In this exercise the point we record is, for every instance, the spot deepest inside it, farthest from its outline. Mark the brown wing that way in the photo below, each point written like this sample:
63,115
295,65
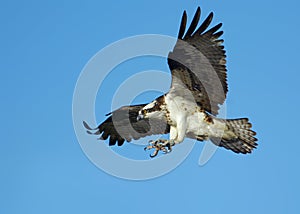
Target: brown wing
198,62
122,125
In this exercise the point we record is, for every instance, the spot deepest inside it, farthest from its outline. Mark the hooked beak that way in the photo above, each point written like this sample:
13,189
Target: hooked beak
140,117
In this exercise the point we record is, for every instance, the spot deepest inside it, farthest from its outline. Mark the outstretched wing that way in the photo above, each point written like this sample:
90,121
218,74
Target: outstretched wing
197,62
122,125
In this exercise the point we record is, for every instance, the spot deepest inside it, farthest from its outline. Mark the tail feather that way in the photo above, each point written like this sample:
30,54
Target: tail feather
241,140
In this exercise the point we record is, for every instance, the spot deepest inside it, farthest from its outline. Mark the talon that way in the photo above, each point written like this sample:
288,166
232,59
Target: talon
154,153
165,150
148,147
169,144
160,145
169,147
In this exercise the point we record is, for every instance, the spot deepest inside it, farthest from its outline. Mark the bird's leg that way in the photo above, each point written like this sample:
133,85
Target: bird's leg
160,145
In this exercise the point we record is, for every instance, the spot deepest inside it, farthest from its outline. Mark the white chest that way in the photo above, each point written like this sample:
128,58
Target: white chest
185,110
180,108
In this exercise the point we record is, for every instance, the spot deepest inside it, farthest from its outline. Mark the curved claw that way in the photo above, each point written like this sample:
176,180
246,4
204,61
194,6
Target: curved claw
152,156
159,145
169,148
154,153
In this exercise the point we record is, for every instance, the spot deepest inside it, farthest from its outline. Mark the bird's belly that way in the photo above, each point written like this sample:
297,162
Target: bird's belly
196,125
200,127
179,108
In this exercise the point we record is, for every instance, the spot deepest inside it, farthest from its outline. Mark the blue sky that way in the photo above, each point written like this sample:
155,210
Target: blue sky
45,45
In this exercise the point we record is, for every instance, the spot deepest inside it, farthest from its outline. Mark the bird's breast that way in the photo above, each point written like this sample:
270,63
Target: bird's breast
179,108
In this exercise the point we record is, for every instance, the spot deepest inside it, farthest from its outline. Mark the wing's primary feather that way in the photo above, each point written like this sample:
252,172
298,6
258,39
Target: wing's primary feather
122,125
193,25
198,62
182,25
205,24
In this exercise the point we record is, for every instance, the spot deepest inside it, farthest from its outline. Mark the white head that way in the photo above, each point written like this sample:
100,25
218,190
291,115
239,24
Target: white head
151,110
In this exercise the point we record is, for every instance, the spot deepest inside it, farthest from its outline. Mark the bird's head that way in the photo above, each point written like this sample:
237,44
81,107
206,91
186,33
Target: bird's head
151,110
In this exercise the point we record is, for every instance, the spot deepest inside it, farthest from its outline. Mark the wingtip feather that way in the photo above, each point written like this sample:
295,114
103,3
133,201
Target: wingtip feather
87,126
193,24
182,25
205,23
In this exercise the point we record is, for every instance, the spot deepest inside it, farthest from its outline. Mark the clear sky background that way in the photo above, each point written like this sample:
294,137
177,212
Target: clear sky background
45,45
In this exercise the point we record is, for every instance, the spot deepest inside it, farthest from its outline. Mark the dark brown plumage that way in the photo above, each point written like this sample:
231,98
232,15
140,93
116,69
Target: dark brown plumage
198,60
122,125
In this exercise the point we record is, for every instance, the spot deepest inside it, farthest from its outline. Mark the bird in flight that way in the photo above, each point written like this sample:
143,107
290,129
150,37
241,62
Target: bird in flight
189,109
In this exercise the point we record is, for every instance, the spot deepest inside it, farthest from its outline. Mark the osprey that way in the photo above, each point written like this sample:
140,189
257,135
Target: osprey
189,109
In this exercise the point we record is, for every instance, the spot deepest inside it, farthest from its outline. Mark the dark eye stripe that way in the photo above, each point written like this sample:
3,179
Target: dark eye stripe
155,108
